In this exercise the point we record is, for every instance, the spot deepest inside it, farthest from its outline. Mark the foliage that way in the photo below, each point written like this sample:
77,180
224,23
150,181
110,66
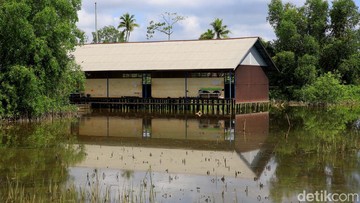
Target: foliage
108,34
321,39
345,18
209,34
35,66
166,26
306,73
22,92
350,69
326,89
218,30
127,22
286,64
352,94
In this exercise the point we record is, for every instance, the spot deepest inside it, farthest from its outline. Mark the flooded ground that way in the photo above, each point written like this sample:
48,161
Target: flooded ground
276,156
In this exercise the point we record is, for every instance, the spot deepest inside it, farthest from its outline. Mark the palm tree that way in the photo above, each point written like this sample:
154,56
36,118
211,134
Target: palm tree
220,30
209,34
127,22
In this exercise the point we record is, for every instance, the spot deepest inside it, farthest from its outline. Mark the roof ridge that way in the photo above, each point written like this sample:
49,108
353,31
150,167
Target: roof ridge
172,41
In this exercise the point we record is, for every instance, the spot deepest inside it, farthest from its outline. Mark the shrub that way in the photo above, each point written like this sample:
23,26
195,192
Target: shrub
326,89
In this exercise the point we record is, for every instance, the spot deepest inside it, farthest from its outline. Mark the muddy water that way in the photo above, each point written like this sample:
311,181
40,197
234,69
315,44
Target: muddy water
140,157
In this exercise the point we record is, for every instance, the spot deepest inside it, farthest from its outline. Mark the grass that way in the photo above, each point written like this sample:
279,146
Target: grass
56,192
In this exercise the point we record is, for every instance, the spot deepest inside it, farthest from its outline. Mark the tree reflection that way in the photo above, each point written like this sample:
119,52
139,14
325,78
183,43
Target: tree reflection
35,155
319,152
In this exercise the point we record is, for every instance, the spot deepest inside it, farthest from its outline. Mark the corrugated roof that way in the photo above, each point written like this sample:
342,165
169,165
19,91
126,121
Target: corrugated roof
167,55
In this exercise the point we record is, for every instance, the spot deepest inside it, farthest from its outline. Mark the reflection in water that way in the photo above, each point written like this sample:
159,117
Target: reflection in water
319,152
201,135
132,126
260,157
226,154
34,156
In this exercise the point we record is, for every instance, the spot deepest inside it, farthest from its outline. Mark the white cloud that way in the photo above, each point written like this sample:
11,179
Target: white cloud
191,28
243,17
253,30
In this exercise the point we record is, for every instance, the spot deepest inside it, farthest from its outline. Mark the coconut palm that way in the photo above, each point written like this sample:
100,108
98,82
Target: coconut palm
220,30
209,34
127,22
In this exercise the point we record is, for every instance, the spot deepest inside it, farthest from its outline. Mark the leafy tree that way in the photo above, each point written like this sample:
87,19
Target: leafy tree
350,69
35,41
322,39
344,37
127,22
286,64
344,17
166,26
109,34
220,30
317,13
21,89
275,13
306,73
209,34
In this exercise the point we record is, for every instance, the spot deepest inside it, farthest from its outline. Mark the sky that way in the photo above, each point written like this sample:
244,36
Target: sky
243,17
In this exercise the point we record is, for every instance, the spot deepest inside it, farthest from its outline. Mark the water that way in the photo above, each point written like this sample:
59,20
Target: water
262,157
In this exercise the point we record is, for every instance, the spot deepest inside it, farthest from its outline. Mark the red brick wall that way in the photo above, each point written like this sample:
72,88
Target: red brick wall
251,84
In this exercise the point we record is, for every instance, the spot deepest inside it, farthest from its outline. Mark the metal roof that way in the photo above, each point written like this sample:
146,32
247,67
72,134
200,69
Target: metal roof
166,55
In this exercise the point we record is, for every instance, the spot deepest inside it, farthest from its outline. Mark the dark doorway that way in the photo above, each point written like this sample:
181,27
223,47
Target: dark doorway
146,85
229,85
227,91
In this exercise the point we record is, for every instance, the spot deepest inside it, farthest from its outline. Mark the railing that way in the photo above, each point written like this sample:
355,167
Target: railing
172,105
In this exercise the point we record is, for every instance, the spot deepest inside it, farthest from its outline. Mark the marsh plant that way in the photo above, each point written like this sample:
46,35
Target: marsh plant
92,191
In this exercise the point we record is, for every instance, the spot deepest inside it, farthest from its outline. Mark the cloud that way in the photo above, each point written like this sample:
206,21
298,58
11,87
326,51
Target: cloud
191,28
243,17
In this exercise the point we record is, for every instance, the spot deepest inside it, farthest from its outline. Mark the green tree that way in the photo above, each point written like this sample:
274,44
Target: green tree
275,12
286,64
209,34
350,68
344,18
317,13
220,30
127,22
109,34
166,26
306,73
344,38
322,39
35,41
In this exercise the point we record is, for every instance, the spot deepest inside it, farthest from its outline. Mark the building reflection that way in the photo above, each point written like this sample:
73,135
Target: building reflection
133,126
244,134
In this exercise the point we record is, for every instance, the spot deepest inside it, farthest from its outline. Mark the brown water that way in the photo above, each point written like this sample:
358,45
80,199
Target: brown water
260,157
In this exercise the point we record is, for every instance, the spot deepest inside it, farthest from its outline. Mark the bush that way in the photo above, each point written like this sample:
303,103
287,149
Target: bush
352,94
19,92
326,89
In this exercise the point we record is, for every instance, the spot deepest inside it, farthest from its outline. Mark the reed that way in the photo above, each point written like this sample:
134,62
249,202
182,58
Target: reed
15,191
